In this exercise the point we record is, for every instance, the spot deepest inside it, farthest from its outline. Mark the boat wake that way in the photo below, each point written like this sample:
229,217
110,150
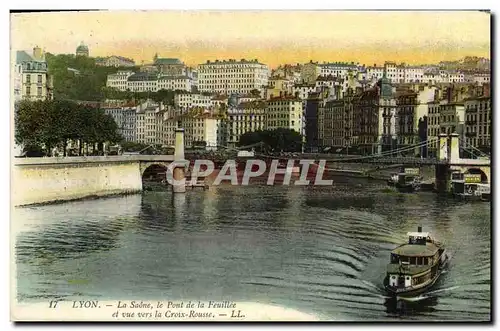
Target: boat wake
427,295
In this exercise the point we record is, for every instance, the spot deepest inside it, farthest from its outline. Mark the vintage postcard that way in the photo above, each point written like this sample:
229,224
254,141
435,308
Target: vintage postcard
251,166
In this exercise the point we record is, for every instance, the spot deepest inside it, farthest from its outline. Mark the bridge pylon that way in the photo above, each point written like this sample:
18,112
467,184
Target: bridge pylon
179,185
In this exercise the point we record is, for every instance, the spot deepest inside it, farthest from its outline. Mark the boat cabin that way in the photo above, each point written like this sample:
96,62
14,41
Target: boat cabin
411,262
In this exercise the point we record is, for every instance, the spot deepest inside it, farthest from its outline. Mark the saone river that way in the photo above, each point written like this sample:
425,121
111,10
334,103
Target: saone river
319,250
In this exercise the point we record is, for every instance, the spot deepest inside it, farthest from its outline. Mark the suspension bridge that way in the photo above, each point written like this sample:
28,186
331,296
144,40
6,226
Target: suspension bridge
446,161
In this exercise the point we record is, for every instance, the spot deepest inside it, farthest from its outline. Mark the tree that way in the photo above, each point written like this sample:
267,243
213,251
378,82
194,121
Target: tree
280,139
78,77
47,124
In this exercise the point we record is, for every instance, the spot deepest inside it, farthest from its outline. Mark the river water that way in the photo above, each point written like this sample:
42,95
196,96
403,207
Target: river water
319,250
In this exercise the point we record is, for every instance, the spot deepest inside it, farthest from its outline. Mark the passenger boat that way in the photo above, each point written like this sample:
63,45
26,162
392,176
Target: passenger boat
469,187
408,182
415,266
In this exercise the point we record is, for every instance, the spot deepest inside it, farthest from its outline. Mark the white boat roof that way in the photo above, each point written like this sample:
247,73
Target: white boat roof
418,234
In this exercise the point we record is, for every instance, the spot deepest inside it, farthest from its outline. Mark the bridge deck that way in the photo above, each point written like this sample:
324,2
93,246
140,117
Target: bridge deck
91,159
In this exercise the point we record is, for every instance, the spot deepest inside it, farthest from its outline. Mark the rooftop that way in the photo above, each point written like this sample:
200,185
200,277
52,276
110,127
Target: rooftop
22,56
429,249
174,77
160,61
232,61
252,105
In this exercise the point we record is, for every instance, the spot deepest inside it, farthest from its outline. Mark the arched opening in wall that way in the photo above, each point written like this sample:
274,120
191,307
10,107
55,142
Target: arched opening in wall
154,177
476,171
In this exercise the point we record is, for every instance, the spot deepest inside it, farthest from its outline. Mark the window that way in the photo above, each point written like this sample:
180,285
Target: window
39,79
28,78
39,90
28,90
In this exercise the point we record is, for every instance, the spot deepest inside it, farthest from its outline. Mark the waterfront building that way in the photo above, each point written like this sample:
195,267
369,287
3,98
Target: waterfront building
412,110
313,103
119,80
82,50
285,111
245,117
333,111
125,117
31,78
478,122
337,130
433,127
451,117
202,127
114,61
373,125
231,76
150,117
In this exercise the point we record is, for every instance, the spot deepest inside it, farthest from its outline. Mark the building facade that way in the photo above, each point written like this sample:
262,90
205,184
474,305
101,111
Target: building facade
175,83
231,76
119,80
31,78
126,120
245,117
142,82
170,66
285,112
478,124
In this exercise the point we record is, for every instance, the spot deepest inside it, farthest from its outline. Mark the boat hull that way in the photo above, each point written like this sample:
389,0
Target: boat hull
408,188
414,291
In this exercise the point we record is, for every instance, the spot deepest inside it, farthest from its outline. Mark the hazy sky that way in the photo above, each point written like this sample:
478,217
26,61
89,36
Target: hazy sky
273,37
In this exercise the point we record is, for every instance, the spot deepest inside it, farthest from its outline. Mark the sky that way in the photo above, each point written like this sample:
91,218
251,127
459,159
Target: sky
272,37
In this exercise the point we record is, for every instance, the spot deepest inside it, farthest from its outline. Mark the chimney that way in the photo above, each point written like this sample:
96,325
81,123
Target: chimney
37,53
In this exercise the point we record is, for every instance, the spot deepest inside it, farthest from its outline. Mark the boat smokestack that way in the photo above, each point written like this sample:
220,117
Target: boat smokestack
419,229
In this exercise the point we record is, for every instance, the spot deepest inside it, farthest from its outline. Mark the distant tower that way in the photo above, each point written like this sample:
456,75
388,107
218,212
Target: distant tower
155,58
82,50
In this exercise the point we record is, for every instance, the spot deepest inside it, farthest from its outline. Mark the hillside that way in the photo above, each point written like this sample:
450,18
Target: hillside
78,77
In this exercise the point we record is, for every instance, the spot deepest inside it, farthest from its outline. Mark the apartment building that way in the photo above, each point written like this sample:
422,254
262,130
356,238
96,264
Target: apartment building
231,76
119,80
245,117
285,112
31,78
478,123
